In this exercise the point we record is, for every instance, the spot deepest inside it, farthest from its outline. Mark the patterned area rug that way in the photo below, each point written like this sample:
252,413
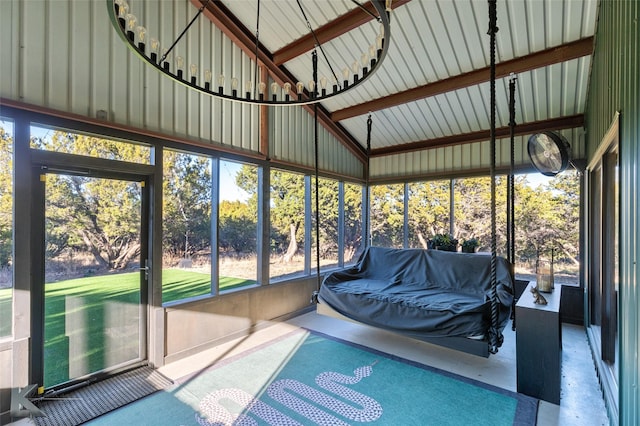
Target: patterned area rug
306,378
86,403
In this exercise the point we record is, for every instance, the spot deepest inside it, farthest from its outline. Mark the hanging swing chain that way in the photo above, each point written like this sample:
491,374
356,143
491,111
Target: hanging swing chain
319,46
495,337
314,59
511,253
366,224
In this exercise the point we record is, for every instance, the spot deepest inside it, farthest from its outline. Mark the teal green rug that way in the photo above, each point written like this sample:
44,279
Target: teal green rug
305,378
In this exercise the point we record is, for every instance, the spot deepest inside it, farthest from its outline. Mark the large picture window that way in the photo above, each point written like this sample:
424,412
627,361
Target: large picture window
428,211
387,215
287,217
6,227
329,214
237,225
186,225
353,232
472,211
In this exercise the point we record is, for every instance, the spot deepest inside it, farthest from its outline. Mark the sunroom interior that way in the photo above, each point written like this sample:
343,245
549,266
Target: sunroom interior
219,207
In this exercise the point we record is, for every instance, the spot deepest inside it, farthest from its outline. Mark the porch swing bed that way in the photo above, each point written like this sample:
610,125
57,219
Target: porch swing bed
436,296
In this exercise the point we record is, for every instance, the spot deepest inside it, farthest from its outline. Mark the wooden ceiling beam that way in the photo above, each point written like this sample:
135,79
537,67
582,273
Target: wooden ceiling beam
329,31
222,18
554,55
568,122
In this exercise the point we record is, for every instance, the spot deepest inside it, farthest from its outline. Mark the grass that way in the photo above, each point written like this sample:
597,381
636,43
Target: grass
92,323
5,311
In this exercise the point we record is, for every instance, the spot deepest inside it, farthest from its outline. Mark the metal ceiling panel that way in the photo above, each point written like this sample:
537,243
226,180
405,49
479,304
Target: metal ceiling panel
431,41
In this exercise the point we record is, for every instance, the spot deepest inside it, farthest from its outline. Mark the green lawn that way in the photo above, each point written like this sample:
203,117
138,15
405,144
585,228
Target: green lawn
5,311
91,322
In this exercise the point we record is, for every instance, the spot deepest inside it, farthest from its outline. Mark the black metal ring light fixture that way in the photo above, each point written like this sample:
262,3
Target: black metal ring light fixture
290,93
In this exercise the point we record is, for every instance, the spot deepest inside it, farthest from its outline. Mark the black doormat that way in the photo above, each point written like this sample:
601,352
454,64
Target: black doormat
91,401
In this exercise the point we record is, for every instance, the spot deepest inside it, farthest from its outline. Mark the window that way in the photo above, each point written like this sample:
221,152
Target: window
547,224
353,232
287,218
186,224
387,215
472,211
68,142
6,227
604,241
428,211
329,214
237,225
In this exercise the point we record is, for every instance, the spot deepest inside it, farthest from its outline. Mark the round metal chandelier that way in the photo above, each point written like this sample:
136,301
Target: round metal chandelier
289,92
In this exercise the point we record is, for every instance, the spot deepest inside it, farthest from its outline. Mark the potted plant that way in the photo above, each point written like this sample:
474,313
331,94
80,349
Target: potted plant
470,245
444,242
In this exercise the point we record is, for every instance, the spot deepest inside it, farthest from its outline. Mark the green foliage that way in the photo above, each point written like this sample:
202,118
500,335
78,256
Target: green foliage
100,216
237,227
186,210
428,210
472,216
387,215
444,242
6,198
470,244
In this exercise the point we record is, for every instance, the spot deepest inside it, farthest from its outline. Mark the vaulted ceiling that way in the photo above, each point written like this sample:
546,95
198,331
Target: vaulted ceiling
433,88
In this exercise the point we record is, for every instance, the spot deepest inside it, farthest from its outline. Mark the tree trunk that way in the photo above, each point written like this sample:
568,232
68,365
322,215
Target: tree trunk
423,242
95,251
293,244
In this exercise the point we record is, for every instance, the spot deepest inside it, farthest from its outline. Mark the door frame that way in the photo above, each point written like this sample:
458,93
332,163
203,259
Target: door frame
47,162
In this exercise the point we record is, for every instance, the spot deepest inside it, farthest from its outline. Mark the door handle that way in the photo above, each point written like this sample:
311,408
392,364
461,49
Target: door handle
146,271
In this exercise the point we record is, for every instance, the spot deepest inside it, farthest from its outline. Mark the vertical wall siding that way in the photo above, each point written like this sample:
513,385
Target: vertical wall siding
291,139
473,156
615,86
66,55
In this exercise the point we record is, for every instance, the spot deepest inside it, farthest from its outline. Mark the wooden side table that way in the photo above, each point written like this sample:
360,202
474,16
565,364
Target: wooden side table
539,346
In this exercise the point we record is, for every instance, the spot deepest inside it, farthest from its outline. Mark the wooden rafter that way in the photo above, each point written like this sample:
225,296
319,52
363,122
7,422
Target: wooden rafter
329,31
241,36
568,122
217,13
565,52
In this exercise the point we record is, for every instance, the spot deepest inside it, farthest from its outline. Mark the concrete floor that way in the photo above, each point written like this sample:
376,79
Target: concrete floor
581,402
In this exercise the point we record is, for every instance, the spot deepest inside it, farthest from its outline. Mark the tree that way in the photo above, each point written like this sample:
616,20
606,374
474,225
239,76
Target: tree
101,216
353,231
473,211
6,198
328,215
186,210
97,216
238,227
428,211
387,215
287,212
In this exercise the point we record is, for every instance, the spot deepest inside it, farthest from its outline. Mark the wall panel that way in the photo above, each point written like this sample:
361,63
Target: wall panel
461,158
66,55
615,86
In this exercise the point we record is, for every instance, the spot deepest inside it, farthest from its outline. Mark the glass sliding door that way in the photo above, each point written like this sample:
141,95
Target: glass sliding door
94,319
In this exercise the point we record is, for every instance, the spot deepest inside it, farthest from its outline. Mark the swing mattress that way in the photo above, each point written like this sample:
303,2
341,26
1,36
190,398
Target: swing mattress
421,293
